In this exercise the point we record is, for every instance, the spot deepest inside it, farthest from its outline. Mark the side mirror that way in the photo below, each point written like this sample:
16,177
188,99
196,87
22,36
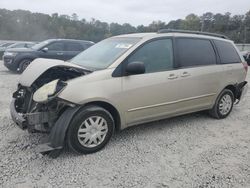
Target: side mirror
45,49
135,67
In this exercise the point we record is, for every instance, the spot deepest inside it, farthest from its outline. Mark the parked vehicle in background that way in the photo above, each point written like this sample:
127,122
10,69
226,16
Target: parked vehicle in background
127,80
246,55
2,42
3,47
243,47
22,45
17,59
6,44
16,45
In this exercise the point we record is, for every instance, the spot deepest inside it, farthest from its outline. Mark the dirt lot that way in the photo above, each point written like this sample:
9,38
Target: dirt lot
188,151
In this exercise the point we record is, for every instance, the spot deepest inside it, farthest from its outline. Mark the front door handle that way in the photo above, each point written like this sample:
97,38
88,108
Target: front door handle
59,53
185,74
172,76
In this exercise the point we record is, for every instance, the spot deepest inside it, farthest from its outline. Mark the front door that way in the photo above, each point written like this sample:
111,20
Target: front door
149,95
55,51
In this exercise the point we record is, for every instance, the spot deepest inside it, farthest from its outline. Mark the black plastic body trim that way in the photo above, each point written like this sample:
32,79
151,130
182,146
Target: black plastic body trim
58,132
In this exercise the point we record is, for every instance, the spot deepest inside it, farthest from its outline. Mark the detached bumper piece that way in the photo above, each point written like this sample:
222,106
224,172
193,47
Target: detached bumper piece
56,140
241,90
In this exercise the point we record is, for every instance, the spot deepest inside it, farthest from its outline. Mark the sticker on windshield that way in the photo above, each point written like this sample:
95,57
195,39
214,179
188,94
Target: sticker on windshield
124,45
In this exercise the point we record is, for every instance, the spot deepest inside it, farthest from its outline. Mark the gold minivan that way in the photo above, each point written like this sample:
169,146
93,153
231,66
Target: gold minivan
127,80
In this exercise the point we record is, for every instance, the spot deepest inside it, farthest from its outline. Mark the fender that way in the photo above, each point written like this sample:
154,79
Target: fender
56,139
27,55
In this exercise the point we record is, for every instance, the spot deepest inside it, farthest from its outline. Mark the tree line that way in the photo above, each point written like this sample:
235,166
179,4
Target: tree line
25,25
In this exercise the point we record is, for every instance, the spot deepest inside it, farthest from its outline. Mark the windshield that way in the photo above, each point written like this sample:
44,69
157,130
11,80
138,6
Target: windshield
40,45
104,53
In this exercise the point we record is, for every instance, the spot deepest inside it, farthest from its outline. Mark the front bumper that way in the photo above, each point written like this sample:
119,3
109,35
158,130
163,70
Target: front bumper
30,120
57,134
9,62
16,117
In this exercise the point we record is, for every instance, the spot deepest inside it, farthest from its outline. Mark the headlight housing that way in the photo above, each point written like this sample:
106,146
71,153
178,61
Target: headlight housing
10,53
48,91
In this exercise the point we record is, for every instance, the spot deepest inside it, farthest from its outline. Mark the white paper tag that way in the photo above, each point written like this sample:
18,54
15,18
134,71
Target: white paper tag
123,45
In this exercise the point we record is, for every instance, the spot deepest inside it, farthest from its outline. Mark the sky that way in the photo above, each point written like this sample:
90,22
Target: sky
135,12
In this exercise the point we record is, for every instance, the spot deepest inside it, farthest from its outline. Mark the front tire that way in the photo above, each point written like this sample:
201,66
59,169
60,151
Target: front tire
223,105
90,130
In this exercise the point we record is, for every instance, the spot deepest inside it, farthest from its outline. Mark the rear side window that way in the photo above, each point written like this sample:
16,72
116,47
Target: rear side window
74,46
156,55
194,52
227,52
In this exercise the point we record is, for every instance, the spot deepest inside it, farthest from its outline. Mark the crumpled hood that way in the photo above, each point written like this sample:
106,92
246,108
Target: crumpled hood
39,66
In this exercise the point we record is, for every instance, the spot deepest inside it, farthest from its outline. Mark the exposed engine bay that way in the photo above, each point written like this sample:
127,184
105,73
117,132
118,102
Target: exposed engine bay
42,115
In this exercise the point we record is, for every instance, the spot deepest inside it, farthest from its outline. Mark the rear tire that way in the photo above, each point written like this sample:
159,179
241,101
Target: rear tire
23,65
90,130
223,105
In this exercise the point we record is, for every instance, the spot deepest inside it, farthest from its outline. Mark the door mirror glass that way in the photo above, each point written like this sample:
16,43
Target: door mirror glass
135,67
45,49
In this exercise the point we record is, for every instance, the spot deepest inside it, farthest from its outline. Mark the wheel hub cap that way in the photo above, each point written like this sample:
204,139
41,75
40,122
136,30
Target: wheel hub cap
92,131
225,104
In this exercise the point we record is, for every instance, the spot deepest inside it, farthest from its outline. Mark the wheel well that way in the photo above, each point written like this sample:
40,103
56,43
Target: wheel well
233,89
25,58
115,114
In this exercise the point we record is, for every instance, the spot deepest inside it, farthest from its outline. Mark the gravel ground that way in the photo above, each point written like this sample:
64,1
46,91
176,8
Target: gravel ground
188,151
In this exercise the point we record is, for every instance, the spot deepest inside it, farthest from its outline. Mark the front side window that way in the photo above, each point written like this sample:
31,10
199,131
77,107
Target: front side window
194,52
227,52
56,46
41,45
156,55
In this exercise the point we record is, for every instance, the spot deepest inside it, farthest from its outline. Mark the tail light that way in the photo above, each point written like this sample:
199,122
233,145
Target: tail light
245,65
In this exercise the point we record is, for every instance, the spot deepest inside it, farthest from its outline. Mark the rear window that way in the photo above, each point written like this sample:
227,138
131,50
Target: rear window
227,52
194,52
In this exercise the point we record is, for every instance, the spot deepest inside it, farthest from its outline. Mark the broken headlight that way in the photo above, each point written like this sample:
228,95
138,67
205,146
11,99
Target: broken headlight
48,91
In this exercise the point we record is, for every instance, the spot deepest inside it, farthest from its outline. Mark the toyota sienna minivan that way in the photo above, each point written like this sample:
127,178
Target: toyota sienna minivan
128,80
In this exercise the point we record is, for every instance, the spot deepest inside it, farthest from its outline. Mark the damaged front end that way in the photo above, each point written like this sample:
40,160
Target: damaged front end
34,115
36,107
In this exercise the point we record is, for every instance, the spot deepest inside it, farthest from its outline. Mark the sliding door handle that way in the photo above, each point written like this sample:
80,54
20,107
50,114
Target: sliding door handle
172,76
185,74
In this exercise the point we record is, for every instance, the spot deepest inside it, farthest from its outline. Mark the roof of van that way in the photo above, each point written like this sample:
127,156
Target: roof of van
176,34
